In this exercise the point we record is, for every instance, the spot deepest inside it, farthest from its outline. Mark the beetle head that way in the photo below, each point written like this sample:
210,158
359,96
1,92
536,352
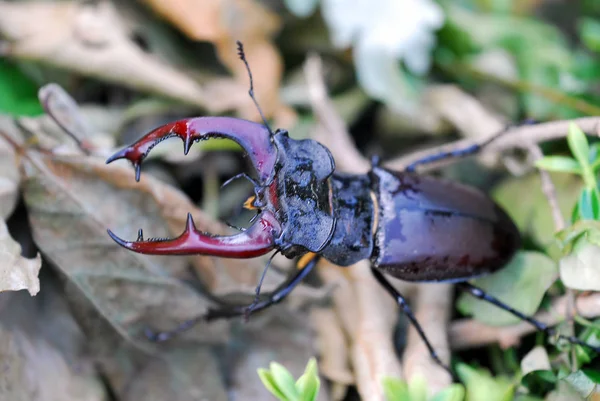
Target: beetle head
292,190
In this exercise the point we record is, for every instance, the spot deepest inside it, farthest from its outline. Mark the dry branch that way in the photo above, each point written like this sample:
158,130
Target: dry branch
372,348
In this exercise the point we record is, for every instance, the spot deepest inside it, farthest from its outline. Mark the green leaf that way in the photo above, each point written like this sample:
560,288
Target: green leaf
309,383
595,203
591,335
537,359
284,381
564,392
580,269
395,389
481,386
571,234
593,375
578,144
594,155
581,382
560,164
539,381
266,377
589,31
521,284
595,165
527,397
455,392
531,212
18,94
588,204
382,78
417,388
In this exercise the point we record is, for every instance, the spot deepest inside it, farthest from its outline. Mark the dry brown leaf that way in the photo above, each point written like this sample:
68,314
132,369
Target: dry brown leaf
219,275
334,361
223,22
33,370
16,272
90,39
288,340
432,310
72,200
199,20
50,348
10,178
185,374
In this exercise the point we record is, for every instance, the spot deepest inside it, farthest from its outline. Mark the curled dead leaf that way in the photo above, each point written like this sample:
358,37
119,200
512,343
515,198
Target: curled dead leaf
223,22
91,39
10,178
33,370
579,270
72,200
185,374
16,272
334,351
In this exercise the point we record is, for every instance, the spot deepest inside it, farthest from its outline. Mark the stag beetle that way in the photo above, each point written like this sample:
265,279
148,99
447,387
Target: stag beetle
413,227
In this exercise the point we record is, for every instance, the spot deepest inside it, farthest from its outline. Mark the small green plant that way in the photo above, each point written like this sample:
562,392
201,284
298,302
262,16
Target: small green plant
416,390
586,163
580,242
280,382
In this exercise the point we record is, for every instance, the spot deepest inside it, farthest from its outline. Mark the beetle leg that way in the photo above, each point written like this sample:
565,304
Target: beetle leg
257,240
305,260
409,314
457,153
227,311
254,138
479,293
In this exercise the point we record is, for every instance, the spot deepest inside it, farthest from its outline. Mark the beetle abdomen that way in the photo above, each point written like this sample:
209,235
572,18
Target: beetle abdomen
435,230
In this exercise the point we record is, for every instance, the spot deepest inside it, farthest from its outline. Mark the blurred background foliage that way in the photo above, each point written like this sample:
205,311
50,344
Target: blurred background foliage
403,75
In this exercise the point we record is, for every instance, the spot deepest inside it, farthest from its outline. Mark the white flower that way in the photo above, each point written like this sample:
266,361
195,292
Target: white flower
402,29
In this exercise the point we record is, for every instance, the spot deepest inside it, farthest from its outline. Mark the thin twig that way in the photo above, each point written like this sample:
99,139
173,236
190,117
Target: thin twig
548,189
559,224
333,132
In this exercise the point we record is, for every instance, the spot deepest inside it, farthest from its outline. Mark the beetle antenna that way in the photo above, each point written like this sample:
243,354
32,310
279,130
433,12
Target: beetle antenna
242,55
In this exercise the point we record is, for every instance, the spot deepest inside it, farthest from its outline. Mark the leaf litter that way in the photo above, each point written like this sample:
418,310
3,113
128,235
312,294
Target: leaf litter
70,199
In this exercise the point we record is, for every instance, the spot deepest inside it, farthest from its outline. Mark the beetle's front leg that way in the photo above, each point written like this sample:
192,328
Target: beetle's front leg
457,153
226,311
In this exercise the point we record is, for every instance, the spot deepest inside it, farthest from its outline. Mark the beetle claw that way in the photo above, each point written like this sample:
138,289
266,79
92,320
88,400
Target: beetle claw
118,240
254,138
257,240
187,144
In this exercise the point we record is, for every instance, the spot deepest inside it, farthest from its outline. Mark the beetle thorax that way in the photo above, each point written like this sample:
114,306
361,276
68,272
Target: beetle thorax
300,195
